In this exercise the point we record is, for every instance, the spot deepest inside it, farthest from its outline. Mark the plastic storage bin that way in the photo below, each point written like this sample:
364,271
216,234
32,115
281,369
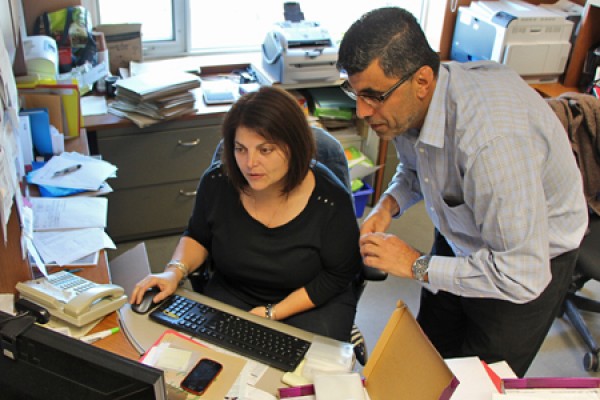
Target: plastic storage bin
360,199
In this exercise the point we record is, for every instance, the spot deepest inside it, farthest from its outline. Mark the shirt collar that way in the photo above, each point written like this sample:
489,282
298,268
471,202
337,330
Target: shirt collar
432,132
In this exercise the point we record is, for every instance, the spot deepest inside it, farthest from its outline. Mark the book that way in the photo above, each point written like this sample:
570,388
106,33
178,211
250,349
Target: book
151,86
39,122
332,102
25,139
549,388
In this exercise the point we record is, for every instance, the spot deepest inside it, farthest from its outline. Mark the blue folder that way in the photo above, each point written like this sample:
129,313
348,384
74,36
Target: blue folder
39,120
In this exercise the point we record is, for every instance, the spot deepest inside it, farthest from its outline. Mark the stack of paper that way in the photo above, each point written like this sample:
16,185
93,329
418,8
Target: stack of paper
83,174
332,106
149,98
68,229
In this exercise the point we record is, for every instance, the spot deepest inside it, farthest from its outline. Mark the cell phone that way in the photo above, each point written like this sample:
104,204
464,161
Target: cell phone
201,376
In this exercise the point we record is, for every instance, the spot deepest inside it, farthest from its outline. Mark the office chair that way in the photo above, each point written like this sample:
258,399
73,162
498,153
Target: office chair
586,269
580,115
330,153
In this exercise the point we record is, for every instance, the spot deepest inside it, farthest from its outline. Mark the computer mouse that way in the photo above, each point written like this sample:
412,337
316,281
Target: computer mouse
146,304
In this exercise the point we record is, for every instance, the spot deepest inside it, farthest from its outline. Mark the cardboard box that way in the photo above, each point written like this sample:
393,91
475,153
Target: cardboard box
124,43
405,365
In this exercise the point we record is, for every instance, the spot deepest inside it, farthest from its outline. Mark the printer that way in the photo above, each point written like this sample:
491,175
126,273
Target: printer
532,40
299,52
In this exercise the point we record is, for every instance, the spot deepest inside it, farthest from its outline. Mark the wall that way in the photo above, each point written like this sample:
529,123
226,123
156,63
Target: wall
34,8
13,267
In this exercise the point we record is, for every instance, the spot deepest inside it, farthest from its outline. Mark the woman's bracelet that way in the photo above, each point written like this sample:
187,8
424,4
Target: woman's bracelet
180,266
270,311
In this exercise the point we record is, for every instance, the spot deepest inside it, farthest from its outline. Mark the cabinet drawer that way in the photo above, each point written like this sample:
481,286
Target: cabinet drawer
159,157
150,211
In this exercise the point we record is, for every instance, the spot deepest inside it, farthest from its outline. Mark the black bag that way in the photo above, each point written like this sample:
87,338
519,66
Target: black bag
71,27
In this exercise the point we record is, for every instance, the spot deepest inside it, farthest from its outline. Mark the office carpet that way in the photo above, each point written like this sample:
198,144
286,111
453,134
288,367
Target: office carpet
561,353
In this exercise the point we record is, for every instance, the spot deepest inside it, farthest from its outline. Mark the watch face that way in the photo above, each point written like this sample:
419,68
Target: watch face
420,267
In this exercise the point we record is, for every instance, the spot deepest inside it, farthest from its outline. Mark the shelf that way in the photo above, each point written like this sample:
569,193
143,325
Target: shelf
588,36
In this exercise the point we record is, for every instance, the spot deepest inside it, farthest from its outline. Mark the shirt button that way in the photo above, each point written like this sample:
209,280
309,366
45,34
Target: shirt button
421,150
426,180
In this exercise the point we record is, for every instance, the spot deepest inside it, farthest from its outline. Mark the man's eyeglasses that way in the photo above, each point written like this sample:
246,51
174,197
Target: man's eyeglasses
372,99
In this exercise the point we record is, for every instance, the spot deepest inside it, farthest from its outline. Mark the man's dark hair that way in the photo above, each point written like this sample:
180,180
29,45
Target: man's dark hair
390,35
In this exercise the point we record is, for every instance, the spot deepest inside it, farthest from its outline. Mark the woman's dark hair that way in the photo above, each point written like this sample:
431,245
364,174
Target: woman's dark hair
276,115
390,35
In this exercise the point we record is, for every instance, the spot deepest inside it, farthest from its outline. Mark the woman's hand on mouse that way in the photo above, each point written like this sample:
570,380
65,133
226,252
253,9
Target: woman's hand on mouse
167,282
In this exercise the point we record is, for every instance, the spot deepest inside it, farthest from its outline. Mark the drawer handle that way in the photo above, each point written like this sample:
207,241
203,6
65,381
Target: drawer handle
187,194
193,143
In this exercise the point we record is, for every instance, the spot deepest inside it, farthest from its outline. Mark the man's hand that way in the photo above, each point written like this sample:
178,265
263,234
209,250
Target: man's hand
388,253
380,218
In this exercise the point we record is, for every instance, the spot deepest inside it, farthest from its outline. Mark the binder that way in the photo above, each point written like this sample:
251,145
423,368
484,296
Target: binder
26,140
39,122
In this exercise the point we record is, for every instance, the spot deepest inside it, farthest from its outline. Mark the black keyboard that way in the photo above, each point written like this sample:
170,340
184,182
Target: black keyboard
248,338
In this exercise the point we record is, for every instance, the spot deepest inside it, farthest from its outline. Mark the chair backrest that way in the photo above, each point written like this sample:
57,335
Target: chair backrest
329,152
580,115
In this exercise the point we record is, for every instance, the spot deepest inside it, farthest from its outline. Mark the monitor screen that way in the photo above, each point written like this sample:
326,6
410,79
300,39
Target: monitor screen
50,365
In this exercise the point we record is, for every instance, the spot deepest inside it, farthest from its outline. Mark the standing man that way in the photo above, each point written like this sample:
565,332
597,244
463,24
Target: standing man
499,180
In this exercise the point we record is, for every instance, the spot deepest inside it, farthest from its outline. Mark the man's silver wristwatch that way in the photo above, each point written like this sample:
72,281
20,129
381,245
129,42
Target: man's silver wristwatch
420,267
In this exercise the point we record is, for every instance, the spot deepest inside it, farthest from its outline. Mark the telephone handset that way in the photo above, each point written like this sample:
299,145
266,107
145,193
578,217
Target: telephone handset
72,298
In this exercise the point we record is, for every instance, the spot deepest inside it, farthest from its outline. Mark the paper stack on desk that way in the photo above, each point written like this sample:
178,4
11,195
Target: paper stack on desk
90,174
149,98
68,228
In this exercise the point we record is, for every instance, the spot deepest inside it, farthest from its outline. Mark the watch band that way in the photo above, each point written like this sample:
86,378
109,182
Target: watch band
420,267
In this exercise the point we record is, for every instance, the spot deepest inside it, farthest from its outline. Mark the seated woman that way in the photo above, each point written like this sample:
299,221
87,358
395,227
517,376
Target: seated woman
279,227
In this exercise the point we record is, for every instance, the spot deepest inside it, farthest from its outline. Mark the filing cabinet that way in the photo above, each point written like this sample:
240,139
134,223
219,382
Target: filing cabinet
159,168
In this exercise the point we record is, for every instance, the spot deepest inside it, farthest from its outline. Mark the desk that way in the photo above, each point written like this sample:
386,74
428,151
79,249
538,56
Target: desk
552,89
117,343
159,168
146,332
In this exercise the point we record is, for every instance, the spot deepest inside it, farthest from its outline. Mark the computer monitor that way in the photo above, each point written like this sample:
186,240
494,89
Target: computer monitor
50,365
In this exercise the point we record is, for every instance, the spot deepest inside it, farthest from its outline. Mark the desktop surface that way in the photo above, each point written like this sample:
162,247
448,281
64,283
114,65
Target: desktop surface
143,332
238,334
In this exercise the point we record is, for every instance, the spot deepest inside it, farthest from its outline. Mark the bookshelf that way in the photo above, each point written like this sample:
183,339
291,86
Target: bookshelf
588,36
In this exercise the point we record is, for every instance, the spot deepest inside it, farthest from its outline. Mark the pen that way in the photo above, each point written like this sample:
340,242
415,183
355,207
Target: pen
99,335
67,170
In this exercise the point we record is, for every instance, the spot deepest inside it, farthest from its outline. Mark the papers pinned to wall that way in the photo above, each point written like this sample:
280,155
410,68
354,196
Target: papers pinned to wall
9,123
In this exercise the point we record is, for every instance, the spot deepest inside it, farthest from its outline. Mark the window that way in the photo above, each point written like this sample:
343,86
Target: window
184,27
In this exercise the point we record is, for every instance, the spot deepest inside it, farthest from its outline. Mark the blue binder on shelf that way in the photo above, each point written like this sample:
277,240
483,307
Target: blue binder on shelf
39,121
